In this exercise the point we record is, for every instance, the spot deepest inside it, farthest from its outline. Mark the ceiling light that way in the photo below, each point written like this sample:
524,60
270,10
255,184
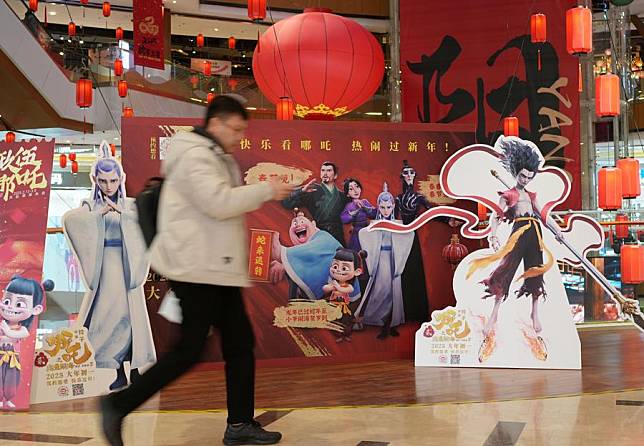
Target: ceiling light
373,113
216,29
251,108
52,12
174,1
81,42
61,53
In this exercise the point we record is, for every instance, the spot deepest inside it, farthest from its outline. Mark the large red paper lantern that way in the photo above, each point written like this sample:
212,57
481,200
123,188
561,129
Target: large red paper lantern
579,31
10,137
630,168
71,29
74,167
207,68
128,112
118,67
454,252
610,188
119,33
231,43
538,28
511,126
607,95
107,9
324,76
200,41
284,109
62,160
84,93
33,5
632,263
621,231
256,10
122,88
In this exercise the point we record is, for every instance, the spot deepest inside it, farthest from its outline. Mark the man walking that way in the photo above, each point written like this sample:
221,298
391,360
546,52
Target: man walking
201,248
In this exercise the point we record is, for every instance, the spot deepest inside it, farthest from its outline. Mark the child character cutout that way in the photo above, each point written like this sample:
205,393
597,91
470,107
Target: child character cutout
23,299
525,244
344,271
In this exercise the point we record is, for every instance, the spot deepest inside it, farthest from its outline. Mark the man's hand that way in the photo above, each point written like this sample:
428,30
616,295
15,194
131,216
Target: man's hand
113,206
310,186
276,271
280,190
276,248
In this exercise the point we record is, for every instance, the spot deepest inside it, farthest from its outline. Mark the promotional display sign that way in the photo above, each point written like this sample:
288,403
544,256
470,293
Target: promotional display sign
218,67
148,33
453,75
325,287
25,175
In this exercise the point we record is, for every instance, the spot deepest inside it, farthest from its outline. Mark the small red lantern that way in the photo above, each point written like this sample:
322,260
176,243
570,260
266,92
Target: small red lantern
84,93
454,252
256,10
33,5
538,33
630,167
210,97
107,9
71,29
607,95
10,137
128,112
118,67
610,188
200,41
62,160
284,109
194,81
579,31
511,126
84,2
119,33
231,43
122,88
113,149
632,263
481,211
621,231
207,68
74,167
72,156
232,83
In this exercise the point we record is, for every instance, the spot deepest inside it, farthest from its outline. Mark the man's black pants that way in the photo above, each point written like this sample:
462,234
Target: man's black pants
204,306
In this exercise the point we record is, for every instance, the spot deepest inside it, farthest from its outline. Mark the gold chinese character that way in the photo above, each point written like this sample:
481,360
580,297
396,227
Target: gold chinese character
259,261
244,144
259,271
266,144
153,148
260,240
260,250
286,144
393,146
356,146
305,145
412,146
431,146
374,146
325,145
59,342
154,292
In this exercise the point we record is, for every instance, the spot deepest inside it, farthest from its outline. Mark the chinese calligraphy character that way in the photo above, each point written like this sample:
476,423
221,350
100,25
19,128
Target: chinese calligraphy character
393,146
412,146
21,169
266,144
286,144
244,144
374,146
154,292
305,145
431,146
356,146
260,240
325,145
153,148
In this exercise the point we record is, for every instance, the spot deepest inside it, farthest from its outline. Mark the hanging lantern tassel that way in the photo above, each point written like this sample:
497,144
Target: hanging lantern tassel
539,59
581,81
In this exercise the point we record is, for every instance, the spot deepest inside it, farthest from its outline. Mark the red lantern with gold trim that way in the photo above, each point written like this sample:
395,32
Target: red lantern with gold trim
84,93
33,5
454,252
210,97
621,231
511,126
256,10
128,112
607,95
119,33
107,9
71,29
231,42
631,187
632,263
200,40
122,88
610,188
62,160
207,68
284,109
579,31
10,137
118,67
74,167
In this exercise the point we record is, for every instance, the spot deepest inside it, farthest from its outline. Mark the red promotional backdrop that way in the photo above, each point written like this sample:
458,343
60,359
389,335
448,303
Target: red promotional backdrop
472,62
148,33
25,175
294,151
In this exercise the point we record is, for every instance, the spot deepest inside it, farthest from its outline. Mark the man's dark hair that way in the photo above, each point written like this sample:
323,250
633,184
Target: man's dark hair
518,156
225,106
329,163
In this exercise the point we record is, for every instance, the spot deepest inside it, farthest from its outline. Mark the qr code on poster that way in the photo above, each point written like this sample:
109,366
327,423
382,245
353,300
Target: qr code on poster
78,389
455,359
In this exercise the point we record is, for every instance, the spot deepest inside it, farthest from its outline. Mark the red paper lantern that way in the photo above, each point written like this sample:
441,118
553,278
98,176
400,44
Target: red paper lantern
538,28
607,95
256,10
194,81
107,9
71,29
119,33
72,156
128,112
632,263
284,109
122,88
454,252
74,167
232,83
33,5
84,93
630,167
210,97
579,31
84,2
113,149
621,231
10,137
231,42
62,160
329,76
481,211
511,126
118,67
207,68
610,188
200,41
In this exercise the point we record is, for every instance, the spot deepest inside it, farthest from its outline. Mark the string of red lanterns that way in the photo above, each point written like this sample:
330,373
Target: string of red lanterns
122,88
118,67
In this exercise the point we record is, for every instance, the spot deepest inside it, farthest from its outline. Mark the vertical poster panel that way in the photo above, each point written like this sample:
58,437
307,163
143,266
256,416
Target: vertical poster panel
25,176
148,33
295,304
485,68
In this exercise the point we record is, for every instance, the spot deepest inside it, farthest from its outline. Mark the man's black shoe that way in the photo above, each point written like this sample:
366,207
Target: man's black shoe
249,433
112,421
